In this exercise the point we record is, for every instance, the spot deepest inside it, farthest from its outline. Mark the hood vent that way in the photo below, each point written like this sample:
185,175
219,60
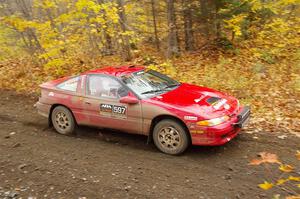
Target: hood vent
213,100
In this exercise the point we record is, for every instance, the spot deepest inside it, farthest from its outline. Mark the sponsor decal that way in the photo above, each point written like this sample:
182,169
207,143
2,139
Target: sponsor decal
119,110
197,131
226,106
51,94
113,110
191,118
140,72
82,83
199,99
106,108
220,103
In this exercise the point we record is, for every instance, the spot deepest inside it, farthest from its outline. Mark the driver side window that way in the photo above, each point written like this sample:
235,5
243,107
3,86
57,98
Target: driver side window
101,86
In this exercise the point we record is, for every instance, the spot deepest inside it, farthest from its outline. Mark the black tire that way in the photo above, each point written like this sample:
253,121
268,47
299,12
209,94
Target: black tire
170,137
63,120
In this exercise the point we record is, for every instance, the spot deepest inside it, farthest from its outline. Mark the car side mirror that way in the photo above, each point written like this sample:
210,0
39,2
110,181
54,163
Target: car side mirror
129,99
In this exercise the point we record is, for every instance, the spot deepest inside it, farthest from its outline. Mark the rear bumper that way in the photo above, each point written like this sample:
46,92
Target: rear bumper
43,109
220,134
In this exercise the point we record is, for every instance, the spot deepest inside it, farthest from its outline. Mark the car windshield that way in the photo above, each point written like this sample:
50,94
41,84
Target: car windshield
149,82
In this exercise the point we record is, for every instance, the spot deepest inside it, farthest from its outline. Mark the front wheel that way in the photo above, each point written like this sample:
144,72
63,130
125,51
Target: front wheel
170,137
63,120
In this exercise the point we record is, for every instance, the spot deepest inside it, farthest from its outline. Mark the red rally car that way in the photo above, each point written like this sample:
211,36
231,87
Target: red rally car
141,101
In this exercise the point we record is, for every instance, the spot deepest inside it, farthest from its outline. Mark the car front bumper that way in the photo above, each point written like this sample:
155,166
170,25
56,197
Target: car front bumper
220,134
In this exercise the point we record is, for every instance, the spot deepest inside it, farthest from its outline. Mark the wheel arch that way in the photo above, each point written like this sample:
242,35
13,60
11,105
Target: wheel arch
159,118
51,110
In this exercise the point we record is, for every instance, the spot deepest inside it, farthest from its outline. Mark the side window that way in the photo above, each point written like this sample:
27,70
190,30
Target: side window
70,84
101,86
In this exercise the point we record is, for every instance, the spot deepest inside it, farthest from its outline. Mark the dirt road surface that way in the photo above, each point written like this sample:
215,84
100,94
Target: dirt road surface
39,163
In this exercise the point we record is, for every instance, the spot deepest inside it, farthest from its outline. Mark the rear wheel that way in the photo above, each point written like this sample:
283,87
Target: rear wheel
63,120
170,137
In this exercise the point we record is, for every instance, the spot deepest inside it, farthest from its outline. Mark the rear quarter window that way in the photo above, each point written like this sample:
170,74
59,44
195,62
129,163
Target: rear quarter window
70,84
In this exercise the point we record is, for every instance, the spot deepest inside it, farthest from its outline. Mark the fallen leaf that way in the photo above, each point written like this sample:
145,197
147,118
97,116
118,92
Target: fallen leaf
282,137
286,168
281,181
293,178
266,185
265,158
293,197
277,196
298,155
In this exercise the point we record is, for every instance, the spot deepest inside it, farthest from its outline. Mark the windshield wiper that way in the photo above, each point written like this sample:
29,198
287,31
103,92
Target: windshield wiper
160,90
152,91
171,86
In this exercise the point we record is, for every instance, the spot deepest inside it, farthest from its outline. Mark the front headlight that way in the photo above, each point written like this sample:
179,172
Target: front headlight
213,122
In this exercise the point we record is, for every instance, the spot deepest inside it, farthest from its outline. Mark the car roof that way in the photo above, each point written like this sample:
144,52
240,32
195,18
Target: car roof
116,71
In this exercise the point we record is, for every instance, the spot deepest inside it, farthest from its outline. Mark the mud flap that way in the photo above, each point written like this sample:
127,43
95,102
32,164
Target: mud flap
149,139
243,117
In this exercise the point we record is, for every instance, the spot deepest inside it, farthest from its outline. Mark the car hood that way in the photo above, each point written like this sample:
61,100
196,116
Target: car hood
199,101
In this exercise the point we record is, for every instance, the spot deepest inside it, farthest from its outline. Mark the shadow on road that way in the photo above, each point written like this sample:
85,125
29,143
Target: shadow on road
139,142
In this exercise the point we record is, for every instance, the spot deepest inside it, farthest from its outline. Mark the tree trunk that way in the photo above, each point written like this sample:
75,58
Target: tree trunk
205,17
108,42
173,47
125,45
188,26
155,24
34,42
217,19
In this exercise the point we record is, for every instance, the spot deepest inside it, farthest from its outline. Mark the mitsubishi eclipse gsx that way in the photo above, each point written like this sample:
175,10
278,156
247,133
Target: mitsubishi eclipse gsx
137,100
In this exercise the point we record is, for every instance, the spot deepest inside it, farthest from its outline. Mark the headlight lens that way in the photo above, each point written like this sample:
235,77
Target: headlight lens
213,122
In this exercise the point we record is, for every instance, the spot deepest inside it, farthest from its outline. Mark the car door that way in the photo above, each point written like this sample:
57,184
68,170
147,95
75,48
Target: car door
103,106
